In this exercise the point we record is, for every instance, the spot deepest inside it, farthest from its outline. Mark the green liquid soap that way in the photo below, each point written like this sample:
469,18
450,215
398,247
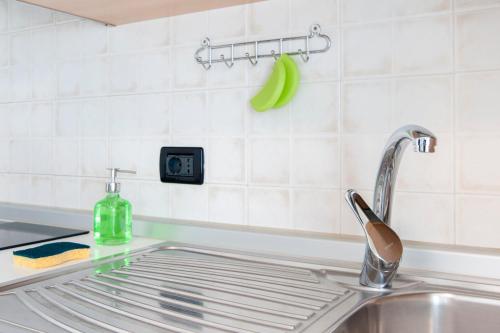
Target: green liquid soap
113,214
113,220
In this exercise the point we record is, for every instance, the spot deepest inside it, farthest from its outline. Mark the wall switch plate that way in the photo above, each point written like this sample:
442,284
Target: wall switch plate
182,165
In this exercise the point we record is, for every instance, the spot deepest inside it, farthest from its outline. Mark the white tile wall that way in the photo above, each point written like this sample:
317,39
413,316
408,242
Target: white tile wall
270,161
77,97
477,218
475,33
316,210
269,207
226,204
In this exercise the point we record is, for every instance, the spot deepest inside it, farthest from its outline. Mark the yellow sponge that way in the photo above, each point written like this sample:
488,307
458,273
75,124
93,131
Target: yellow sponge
51,254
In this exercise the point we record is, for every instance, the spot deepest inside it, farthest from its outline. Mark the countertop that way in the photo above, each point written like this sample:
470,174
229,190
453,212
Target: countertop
11,273
471,262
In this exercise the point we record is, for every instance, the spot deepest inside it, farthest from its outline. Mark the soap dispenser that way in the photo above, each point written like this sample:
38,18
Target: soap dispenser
113,214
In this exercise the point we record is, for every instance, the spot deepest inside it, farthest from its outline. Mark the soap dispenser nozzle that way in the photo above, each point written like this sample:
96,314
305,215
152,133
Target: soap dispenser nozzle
112,186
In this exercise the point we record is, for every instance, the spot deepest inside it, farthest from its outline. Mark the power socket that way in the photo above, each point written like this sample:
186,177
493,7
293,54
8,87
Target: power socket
182,165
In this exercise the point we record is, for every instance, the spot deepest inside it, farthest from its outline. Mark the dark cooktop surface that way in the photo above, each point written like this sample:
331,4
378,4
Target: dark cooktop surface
14,234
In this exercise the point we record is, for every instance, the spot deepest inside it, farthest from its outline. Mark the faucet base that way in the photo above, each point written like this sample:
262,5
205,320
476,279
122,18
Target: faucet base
377,277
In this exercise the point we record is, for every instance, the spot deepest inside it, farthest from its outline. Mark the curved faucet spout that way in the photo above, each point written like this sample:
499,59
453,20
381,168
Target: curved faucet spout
423,141
375,272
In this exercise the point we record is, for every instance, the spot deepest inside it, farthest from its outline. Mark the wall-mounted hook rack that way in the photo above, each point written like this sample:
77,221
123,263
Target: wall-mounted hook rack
253,58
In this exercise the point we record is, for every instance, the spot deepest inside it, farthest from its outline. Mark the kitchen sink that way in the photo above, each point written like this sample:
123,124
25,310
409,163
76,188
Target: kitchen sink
425,312
184,289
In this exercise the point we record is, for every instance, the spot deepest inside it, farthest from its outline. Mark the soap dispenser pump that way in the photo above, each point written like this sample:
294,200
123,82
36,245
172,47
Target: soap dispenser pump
113,214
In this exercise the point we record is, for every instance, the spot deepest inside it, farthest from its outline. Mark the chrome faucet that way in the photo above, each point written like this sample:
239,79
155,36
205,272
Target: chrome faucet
378,272
423,141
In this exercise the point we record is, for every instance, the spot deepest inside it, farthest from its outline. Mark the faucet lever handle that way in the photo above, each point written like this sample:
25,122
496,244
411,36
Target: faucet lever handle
382,240
354,199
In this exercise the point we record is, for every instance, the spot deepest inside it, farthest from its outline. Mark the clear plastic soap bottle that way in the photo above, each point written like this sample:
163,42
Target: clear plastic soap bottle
113,214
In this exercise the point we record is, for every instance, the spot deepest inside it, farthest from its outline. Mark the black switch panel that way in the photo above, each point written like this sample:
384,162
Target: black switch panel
182,165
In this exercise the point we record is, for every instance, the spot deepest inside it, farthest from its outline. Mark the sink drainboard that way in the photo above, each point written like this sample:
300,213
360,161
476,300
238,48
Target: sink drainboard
174,290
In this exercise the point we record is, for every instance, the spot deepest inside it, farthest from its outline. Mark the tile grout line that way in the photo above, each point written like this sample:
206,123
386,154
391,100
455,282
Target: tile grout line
454,122
340,142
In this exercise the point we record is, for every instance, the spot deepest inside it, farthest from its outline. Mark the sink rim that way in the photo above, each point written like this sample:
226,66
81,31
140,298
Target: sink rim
421,290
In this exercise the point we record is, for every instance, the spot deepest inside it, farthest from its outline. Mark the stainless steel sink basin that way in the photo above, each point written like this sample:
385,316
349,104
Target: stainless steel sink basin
424,312
184,289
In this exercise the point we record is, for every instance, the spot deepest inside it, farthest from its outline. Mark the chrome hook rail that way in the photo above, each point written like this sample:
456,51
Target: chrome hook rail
227,51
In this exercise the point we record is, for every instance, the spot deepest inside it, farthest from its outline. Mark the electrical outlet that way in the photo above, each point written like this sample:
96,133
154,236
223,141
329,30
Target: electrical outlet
182,165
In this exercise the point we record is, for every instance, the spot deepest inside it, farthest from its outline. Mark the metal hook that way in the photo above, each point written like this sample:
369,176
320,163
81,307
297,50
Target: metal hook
205,44
252,61
273,53
228,63
205,65
304,56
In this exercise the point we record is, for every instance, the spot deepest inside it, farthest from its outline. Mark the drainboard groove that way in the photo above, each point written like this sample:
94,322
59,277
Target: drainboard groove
272,288
223,289
121,312
242,270
5,321
164,311
307,285
246,264
192,306
80,315
26,301
220,272
209,299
